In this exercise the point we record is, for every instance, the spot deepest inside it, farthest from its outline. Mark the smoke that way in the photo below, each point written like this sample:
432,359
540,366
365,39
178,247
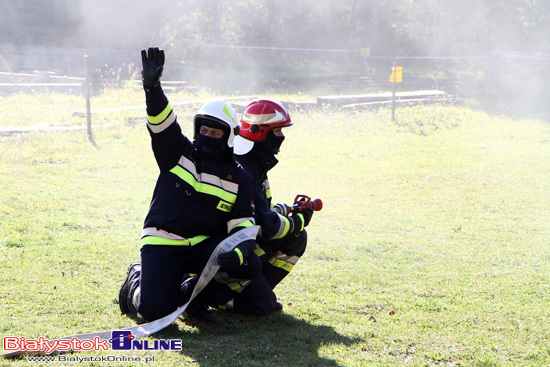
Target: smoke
55,34
499,50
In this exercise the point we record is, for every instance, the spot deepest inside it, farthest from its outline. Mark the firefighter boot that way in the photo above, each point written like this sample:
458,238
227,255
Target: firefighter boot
132,277
198,308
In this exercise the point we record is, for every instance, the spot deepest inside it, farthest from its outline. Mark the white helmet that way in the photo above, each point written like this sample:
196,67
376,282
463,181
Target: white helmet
217,111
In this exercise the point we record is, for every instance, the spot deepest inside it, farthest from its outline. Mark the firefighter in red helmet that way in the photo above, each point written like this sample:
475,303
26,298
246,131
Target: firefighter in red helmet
283,238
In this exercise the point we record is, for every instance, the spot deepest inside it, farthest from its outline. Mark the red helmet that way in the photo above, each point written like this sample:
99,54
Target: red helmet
258,118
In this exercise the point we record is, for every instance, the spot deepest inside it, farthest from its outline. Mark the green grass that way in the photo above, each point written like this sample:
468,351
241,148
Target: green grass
432,247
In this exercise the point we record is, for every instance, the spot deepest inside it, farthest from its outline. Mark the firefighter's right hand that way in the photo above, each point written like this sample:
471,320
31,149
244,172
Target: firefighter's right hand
300,220
307,213
153,65
282,209
232,260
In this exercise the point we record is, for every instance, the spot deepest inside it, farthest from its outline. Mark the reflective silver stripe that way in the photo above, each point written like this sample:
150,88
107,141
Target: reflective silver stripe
283,228
164,125
233,222
208,178
284,261
152,231
292,259
215,180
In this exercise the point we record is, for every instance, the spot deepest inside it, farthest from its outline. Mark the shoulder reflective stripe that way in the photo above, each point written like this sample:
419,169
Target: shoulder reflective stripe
153,240
204,188
187,164
159,119
239,222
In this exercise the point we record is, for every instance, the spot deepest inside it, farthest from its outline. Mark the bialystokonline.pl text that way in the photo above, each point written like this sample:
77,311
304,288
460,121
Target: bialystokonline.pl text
78,359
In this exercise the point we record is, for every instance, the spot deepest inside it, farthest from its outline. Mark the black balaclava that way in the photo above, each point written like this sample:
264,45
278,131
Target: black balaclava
213,148
271,143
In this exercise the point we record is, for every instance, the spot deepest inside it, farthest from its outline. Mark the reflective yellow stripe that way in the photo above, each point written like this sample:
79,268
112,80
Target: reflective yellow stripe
303,221
203,187
259,251
154,240
240,222
241,257
208,178
159,119
237,287
226,111
243,224
281,264
286,223
231,283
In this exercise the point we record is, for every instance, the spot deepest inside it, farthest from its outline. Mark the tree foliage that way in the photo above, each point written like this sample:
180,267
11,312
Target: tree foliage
393,28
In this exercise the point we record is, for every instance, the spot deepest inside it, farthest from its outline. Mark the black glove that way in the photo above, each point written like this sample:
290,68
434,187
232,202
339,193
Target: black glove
307,213
231,260
153,64
300,220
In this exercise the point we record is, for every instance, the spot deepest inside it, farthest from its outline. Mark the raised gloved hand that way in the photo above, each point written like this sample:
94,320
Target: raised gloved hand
231,260
153,65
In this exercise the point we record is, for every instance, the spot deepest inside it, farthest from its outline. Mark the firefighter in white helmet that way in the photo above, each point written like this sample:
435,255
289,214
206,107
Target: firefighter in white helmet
201,196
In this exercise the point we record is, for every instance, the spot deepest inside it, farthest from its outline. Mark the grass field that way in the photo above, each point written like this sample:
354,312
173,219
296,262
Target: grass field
432,247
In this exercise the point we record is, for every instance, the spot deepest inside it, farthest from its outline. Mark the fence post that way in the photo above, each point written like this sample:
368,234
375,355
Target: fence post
88,105
393,95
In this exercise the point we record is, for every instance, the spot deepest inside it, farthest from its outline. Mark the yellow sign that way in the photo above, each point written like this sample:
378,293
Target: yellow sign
365,51
396,74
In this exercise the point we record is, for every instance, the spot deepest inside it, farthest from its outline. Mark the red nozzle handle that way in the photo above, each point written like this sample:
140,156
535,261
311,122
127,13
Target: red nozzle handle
302,202
317,204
